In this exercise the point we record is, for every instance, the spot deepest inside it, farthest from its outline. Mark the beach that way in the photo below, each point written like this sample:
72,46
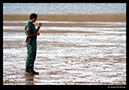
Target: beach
72,49
69,17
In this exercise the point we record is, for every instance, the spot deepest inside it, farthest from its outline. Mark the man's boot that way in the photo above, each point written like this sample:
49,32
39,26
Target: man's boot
27,72
32,71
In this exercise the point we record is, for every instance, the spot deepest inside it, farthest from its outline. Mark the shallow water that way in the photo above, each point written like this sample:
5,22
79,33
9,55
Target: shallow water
63,8
68,58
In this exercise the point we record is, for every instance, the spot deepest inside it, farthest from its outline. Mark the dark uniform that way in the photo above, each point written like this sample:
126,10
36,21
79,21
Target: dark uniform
31,44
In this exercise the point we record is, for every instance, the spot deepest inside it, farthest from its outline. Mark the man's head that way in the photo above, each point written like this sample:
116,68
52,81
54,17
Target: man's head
33,17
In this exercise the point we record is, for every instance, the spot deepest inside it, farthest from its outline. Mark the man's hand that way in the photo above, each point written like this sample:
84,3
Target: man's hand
40,24
37,33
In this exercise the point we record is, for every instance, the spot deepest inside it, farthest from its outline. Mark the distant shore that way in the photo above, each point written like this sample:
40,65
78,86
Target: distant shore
69,17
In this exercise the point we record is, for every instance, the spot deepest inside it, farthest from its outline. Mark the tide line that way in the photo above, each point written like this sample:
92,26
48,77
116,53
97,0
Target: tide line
65,28
109,23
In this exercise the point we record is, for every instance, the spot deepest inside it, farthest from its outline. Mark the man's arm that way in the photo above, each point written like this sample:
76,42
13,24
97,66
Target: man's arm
37,32
37,29
40,24
31,35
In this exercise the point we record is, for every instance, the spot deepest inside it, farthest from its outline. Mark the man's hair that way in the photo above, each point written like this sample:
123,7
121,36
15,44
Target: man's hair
33,15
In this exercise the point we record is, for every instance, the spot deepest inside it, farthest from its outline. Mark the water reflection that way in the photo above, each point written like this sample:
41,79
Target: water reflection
29,79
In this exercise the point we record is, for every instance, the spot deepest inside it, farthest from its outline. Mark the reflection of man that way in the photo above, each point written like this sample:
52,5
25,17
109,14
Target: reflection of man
31,43
29,79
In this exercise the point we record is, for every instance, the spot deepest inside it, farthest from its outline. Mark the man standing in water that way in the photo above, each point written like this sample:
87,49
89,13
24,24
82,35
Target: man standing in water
31,43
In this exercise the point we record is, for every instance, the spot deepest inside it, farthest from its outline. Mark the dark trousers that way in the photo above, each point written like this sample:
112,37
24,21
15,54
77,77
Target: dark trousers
31,53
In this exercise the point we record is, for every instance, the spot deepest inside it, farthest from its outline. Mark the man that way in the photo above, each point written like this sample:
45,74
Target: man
31,43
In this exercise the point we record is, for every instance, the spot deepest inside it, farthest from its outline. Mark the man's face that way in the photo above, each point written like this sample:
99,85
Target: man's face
34,19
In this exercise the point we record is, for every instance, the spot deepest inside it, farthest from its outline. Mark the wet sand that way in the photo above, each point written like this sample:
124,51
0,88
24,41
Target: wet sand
69,17
79,53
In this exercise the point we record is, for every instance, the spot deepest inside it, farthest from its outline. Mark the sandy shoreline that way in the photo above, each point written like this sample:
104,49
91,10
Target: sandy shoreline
69,17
